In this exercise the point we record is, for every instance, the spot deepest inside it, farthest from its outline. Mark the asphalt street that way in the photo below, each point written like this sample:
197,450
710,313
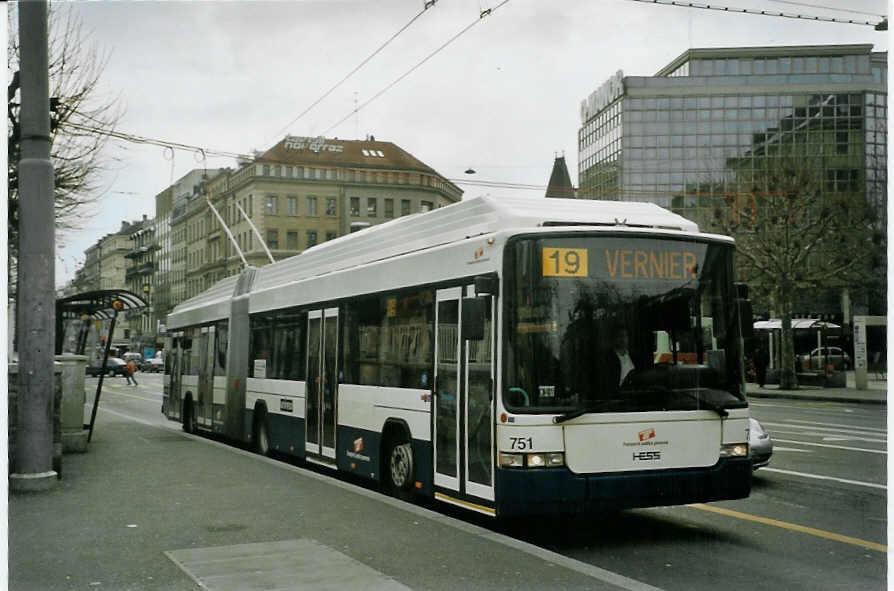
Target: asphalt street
816,518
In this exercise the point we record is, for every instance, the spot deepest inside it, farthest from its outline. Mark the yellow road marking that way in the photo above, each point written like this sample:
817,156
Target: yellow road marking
792,526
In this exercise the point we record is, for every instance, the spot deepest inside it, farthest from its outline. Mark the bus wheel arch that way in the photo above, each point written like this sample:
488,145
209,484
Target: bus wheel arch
260,430
189,414
397,465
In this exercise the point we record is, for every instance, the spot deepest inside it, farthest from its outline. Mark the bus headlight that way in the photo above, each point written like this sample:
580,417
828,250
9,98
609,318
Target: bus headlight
734,450
512,460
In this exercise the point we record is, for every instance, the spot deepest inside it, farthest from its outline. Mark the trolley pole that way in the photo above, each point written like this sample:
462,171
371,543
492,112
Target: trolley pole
33,461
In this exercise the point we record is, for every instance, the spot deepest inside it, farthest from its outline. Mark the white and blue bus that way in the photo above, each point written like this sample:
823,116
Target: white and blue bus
510,356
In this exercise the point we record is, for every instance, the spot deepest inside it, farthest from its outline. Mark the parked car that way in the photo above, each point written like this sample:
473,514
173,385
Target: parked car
114,367
817,359
760,444
154,365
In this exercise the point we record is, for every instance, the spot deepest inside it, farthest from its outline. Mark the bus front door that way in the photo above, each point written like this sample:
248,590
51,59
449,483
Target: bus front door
322,383
463,406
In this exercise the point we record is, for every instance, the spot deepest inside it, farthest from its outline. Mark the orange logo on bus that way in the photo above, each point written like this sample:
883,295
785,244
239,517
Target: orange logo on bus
647,434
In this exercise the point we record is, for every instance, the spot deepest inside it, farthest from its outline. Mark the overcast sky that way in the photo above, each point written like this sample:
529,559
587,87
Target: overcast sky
502,98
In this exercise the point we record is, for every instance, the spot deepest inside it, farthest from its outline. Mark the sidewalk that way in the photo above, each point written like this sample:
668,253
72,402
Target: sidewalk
876,393
147,503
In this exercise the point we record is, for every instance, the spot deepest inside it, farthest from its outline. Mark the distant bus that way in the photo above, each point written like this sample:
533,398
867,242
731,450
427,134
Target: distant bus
468,354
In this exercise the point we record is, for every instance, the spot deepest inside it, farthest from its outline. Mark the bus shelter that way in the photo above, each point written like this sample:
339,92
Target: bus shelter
80,310
862,360
773,329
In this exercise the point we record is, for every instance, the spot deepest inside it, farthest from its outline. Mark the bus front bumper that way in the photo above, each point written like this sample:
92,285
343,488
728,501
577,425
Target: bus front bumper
558,490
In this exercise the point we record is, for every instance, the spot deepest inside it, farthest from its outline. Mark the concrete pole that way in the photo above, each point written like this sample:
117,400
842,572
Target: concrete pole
32,468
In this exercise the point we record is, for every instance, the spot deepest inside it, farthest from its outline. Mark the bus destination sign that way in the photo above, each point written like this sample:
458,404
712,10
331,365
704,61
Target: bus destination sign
667,261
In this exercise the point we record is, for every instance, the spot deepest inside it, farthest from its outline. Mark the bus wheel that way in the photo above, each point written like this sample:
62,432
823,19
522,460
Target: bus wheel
189,417
261,435
400,470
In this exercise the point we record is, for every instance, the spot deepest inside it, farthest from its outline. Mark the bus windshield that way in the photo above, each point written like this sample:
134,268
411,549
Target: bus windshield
620,324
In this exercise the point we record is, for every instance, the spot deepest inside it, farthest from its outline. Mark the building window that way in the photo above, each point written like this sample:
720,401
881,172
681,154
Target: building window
312,206
389,208
266,170
272,205
277,170
288,172
404,207
330,206
292,204
330,236
355,207
371,206
292,240
311,238
425,206
273,239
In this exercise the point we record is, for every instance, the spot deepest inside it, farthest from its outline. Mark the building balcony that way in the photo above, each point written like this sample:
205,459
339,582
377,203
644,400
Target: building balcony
140,270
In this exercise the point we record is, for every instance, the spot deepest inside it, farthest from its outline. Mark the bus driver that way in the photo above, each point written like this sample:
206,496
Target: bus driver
617,363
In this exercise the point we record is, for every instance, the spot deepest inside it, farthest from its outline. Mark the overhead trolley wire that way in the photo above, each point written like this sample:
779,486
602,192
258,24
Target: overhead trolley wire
829,8
427,5
137,139
481,16
807,17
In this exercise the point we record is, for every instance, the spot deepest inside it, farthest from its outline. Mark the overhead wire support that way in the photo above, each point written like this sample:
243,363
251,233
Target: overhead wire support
425,7
481,16
807,17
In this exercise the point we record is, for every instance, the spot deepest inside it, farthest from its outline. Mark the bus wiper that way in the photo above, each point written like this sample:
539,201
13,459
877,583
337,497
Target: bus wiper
720,410
709,405
582,411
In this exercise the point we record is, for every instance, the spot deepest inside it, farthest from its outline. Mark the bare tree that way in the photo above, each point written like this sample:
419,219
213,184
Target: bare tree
80,118
797,229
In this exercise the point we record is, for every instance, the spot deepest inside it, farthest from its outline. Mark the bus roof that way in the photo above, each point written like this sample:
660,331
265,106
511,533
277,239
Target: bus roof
452,223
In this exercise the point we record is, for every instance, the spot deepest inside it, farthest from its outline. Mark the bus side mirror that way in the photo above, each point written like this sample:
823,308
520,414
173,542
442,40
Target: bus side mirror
485,286
473,313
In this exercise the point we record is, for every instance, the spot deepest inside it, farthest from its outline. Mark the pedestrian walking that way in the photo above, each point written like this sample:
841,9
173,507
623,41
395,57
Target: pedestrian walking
761,361
130,373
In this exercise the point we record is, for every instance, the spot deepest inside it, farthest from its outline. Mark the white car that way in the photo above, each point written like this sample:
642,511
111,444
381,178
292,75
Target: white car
819,357
760,446
154,365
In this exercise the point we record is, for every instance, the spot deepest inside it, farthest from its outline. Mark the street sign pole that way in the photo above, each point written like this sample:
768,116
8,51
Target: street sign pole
32,468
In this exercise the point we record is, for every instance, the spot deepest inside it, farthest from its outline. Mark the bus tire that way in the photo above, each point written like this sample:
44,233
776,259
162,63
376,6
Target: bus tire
189,416
399,466
260,432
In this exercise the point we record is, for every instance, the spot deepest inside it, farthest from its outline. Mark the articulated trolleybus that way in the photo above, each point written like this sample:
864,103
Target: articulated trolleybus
510,356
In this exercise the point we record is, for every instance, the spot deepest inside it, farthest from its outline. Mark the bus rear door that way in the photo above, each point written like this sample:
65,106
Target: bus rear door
322,383
206,378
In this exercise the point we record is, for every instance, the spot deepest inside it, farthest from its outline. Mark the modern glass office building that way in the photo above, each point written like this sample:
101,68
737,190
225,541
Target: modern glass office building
702,125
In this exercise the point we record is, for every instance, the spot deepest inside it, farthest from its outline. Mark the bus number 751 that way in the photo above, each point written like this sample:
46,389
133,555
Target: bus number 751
521,443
